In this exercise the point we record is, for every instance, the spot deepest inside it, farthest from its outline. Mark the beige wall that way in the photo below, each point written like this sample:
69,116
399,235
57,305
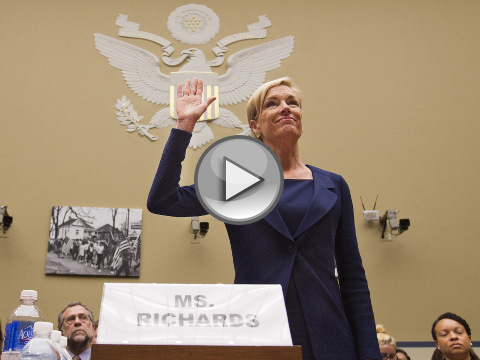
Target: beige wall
390,101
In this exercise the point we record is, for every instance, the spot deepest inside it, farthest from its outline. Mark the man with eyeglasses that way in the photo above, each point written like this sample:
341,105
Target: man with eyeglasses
76,323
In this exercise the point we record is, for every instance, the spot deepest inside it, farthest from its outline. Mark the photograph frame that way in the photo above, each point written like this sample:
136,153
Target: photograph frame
94,241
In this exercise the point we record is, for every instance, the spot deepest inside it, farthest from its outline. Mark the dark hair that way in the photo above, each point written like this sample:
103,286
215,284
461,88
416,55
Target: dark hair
454,317
403,352
437,354
60,316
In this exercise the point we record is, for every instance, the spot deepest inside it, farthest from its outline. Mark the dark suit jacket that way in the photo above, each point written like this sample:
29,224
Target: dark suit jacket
338,314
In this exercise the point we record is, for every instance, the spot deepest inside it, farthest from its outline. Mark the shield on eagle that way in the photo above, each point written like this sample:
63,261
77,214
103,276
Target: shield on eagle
210,88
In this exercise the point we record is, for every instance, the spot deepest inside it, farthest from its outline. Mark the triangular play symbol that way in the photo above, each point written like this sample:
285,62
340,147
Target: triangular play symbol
238,179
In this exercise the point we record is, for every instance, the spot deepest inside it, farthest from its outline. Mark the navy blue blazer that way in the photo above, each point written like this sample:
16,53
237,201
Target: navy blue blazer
338,314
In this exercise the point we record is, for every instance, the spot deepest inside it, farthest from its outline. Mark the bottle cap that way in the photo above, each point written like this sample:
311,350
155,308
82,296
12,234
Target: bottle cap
42,326
55,335
28,295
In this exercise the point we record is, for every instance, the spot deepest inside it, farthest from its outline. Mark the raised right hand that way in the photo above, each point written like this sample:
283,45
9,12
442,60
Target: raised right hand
189,104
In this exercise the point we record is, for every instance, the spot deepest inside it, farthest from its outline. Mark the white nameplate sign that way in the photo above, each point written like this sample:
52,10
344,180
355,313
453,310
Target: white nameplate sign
192,314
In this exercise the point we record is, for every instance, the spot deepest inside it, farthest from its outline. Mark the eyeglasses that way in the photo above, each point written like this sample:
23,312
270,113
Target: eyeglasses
82,317
389,357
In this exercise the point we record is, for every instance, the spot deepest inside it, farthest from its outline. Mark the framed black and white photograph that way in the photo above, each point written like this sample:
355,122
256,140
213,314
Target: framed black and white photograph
94,241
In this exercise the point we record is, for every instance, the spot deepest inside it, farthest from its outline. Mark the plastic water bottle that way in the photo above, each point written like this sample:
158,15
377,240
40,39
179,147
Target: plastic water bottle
40,347
63,347
55,336
19,326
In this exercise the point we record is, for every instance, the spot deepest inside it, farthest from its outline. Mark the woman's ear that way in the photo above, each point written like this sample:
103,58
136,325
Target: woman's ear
254,127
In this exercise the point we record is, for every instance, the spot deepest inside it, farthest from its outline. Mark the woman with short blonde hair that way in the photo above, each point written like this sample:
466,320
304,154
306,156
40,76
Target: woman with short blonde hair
254,105
307,236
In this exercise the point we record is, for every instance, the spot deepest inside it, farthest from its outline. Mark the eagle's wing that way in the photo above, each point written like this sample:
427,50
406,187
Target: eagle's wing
140,68
247,69
227,119
162,119
201,135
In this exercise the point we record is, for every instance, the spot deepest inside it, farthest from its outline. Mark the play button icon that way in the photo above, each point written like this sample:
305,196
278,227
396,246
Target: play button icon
238,180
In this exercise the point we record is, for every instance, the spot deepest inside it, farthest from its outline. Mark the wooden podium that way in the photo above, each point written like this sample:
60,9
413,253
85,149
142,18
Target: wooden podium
194,352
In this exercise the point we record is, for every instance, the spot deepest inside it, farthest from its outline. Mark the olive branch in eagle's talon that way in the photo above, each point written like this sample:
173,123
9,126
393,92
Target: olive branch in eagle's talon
129,117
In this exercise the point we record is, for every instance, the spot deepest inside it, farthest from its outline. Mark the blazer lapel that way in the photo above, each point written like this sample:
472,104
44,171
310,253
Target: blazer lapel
276,221
323,200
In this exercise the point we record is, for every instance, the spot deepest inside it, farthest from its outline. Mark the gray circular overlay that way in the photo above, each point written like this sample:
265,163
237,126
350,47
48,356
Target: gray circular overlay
253,203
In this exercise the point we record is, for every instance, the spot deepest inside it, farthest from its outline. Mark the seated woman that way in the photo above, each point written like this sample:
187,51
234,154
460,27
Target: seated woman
453,338
388,345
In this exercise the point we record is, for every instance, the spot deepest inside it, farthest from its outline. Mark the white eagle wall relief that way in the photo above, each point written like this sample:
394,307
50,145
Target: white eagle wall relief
191,24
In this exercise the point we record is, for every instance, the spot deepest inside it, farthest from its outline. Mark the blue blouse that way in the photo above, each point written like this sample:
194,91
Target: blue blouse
293,205
294,202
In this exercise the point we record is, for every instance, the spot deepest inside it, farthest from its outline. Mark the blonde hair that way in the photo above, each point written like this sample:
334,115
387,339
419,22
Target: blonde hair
254,105
383,338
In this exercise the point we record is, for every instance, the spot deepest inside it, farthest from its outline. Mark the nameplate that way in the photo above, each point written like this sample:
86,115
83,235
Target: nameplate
193,314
